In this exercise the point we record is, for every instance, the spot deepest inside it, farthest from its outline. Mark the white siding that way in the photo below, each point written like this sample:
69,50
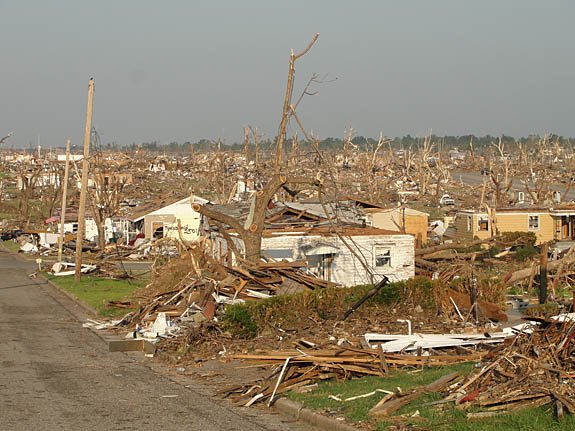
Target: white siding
345,269
179,212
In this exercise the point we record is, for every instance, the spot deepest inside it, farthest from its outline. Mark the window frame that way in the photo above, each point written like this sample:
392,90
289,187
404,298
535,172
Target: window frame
387,255
482,220
534,217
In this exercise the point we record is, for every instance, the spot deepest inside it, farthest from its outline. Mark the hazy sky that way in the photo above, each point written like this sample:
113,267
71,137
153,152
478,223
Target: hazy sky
186,70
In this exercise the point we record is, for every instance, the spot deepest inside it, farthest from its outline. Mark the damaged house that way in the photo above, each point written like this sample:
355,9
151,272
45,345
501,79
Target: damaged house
171,220
335,250
548,224
400,218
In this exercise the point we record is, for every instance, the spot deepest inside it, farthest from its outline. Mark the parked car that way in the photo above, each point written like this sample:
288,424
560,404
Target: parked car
446,200
485,171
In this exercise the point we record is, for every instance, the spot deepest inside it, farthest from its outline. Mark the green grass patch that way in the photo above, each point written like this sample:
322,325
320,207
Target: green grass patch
11,245
97,291
357,410
440,417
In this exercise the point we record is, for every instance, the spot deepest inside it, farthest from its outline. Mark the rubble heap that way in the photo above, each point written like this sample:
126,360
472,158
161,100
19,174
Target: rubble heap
310,363
537,368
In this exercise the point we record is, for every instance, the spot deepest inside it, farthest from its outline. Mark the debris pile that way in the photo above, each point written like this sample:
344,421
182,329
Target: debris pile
190,288
537,368
310,363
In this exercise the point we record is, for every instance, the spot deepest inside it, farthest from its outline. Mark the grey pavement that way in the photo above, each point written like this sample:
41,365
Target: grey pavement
476,179
56,375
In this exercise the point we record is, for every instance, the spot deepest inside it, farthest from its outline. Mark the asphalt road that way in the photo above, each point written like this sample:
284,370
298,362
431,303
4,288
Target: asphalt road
56,375
477,179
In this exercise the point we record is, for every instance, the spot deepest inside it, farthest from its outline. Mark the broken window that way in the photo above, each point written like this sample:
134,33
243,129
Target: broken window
483,224
382,257
157,230
533,222
469,223
557,197
521,197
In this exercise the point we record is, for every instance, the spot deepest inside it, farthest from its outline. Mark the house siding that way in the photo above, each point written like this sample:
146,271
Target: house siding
505,222
345,269
415,225
519,222
460,223
179,212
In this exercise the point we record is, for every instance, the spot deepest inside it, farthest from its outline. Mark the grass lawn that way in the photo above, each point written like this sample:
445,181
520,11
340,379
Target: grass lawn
97,291
437,417
11,245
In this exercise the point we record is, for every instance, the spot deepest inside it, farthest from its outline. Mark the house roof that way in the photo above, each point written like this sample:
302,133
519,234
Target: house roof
143,210
330,231
399,210
364,203
295,214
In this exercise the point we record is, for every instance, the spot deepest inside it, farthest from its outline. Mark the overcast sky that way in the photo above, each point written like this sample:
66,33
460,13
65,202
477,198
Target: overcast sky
186,70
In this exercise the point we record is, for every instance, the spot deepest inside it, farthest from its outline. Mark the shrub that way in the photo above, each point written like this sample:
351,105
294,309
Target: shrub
238,320
519,238
249,319
525,252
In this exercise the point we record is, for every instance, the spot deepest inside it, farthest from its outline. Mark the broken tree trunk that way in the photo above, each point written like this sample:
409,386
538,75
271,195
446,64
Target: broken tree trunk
371,292
287,102
251,232
524,273
429,250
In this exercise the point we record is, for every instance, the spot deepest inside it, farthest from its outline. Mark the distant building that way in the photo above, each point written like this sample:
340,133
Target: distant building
548,224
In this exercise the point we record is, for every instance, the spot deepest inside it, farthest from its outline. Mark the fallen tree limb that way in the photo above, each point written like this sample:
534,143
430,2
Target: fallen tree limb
384,282
429,250
425,264
522,274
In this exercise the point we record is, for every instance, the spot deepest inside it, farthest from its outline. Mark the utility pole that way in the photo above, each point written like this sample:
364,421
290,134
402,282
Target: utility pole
63,210
543,273
84,187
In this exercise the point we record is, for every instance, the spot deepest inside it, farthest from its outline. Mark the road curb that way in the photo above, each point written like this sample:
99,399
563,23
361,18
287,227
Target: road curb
287,407
85,307
301,413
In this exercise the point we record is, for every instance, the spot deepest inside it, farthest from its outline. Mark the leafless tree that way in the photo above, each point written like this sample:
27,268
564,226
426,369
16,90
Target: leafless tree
288,109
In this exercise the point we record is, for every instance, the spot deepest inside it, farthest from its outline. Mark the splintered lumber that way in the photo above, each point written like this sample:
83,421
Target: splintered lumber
357,356
311,365
395,404
537,368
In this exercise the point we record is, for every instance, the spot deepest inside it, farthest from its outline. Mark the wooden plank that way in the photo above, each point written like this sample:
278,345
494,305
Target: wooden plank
395,404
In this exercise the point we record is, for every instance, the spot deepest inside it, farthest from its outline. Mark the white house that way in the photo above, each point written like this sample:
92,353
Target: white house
91,233
384,252
172,220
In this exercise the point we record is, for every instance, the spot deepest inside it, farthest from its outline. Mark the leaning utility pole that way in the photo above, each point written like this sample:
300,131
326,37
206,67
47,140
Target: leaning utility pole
84,187
63,210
